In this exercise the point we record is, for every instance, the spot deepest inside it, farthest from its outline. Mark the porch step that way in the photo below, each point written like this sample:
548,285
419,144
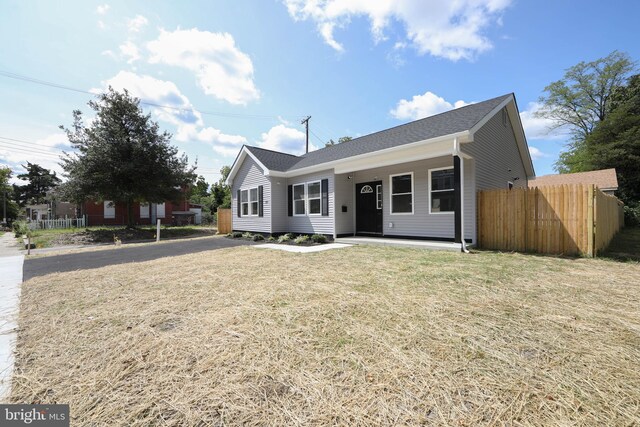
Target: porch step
418,244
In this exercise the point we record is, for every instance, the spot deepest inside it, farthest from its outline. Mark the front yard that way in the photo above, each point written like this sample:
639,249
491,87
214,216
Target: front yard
97,235
356,336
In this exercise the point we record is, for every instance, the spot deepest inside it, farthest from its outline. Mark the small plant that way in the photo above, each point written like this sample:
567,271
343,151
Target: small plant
247,235
20,228
272,239
236,234
257,237
319,238
301,239
285,238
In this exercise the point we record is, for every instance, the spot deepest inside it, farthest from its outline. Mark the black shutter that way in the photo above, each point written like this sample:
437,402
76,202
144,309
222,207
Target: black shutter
239,205
290,200
260,201
324,185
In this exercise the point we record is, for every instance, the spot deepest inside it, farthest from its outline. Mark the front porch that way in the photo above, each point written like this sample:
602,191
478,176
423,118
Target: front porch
408,243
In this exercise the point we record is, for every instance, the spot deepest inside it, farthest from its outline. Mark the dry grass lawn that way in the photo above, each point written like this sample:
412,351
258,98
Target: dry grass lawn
357,336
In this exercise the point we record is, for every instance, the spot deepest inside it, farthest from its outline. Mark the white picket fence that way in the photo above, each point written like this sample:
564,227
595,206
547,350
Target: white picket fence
48,224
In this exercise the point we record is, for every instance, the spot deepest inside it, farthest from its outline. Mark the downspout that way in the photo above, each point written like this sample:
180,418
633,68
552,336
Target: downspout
456,152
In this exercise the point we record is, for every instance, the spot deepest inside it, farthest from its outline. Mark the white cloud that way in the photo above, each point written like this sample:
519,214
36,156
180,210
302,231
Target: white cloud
45,152
536,153
447,29
136,24
160,92
539,128
285,139
421,106
102,25
109,53
129,50
103,9
221,69
227,145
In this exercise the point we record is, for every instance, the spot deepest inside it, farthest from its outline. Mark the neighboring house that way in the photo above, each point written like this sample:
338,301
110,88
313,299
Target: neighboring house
109,213
52,210
417,180
605,179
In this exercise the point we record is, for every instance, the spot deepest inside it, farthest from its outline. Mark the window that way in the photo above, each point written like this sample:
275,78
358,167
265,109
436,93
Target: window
109,209
298,199
144,210
441,197
402,193
244,202
313,196
253,199
379,197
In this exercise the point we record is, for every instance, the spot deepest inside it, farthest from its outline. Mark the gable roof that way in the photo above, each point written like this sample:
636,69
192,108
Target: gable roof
450,123
604,179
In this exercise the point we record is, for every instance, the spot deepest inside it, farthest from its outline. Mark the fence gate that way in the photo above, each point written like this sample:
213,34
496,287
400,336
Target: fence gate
224,221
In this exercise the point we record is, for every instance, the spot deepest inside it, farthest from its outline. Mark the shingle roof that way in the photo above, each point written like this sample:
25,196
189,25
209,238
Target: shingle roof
605,179
446,123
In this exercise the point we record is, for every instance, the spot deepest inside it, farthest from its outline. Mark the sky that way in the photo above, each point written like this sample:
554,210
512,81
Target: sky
234,72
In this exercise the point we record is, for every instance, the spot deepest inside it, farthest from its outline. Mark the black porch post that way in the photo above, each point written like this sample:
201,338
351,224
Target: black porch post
457,209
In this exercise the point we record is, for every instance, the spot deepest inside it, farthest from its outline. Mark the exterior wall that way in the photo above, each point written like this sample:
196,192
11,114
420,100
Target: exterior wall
310,224
250,175
421,223
344,195
495,151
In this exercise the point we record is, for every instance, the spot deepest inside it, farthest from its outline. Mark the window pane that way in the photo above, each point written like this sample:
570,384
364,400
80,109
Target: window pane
254,208
314,206
442,202
298,207
401,204
245,209
401,184
442,180
379,196
314,190
298,192
254,194
244,196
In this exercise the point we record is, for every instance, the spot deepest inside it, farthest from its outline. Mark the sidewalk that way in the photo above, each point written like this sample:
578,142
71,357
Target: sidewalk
11,261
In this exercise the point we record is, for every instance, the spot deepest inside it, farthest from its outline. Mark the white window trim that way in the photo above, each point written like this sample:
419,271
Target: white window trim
245,203
293,192
391,194
438,191
257,201
306,195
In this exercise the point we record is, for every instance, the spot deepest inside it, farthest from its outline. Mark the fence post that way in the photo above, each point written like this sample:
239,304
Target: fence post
591,224
158,231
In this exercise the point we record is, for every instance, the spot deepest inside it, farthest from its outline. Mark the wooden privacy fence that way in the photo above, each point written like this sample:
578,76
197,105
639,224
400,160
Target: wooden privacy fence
224,221
565,219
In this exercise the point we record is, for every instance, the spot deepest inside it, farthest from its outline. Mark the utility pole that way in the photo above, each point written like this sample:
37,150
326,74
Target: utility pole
306,123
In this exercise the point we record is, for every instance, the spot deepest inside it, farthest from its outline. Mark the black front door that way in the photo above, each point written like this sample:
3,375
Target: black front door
369,207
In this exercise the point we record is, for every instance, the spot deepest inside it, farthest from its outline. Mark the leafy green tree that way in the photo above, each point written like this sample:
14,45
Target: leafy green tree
615,142
7,204
122,156
340,141
220,191
39,182
200,189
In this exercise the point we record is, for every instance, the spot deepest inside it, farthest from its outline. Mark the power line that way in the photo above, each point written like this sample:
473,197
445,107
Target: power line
16,147
148,103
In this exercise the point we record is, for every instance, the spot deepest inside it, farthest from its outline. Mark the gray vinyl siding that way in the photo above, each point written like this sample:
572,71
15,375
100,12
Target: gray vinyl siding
279,218
310,224
344,196
250,175
421,223
495,151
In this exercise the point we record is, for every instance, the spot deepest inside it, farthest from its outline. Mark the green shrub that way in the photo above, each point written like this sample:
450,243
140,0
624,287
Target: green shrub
247,235
257,237
21,228
303,238
285,238
207,218
319,238
236,234
272,239
632,215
